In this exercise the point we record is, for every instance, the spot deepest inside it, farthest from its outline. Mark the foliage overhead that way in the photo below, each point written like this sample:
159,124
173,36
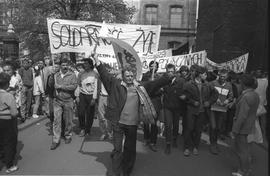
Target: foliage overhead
29,18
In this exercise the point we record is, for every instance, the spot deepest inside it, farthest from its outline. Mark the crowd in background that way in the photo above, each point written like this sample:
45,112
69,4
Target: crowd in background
194,100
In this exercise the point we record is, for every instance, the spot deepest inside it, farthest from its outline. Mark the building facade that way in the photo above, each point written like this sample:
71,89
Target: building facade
176,17
228,29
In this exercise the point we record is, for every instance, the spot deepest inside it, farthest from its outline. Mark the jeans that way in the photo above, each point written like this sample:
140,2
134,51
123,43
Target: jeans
193,129
171,120
37,104
242,152
86,112
217,122
26,98
63,112
8,140
123,160
150,132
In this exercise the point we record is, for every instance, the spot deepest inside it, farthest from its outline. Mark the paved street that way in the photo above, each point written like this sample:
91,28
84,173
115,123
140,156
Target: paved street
91,157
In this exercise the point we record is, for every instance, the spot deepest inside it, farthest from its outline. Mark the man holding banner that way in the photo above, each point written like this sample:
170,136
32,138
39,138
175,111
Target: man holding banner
128,104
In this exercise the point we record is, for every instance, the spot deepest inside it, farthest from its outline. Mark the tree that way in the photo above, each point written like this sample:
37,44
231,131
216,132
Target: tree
30,18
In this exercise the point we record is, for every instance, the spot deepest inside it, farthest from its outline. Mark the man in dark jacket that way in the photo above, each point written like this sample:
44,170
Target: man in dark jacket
174,107
126,100
26,73
150,131
200,96
245,115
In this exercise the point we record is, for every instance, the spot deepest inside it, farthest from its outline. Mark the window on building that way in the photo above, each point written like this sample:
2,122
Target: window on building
176,13
151,13
174,44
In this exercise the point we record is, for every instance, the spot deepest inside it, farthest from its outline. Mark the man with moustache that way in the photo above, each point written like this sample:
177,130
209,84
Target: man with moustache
65,84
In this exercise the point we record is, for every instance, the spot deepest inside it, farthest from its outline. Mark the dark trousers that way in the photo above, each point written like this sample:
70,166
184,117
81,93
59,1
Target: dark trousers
171,119
193,129
242,152
217,120
150,132
8,140
123,160
26,98
86,112
229,120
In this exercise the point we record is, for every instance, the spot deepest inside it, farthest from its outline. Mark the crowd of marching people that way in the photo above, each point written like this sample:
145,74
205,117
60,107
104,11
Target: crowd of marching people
222,103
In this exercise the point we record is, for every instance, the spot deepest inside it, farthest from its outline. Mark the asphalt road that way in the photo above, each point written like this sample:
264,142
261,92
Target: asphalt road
90,156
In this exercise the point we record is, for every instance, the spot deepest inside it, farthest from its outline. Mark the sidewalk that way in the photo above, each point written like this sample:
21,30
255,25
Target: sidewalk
30,122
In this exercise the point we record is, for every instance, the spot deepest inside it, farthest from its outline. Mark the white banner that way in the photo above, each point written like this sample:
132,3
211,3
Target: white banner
81,36
237,65
126,55
187,59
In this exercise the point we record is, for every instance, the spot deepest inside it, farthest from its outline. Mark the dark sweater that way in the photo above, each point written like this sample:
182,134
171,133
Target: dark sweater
27,76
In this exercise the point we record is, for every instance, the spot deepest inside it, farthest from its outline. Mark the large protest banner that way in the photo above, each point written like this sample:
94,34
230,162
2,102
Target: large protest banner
237,65
126,55
155,56
82,36
198,58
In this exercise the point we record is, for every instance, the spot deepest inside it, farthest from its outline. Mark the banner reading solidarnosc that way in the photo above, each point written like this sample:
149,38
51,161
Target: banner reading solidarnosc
198,58
82,36
237,65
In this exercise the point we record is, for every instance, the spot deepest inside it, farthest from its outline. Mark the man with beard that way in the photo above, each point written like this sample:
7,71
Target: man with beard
65,83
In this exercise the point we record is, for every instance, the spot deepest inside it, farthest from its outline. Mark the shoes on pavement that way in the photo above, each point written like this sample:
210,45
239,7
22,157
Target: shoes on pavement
35,116
110,136
186,152
12,169
22,120
103,137
222,137
174,145
54,145
195,151
213,149
168,149
153,147
82,133
68,140
146,142
238,173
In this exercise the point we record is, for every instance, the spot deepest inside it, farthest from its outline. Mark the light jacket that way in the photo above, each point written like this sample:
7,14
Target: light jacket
68,84
246,109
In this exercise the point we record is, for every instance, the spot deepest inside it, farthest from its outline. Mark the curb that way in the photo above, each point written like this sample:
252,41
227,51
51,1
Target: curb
30,122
